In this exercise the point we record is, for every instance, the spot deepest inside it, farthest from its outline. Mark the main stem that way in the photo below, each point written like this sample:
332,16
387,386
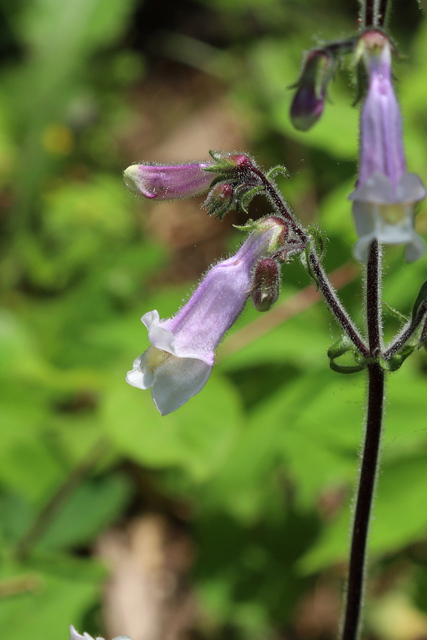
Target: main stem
374,12
370,452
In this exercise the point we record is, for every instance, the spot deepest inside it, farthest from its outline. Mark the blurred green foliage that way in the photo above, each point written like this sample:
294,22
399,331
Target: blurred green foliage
275,432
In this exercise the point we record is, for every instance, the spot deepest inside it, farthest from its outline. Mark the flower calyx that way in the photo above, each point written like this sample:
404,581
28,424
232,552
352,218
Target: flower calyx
232,164
237,181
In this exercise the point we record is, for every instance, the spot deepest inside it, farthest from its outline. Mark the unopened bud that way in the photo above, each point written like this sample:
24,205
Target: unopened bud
168,182
266,284
220,199
309,99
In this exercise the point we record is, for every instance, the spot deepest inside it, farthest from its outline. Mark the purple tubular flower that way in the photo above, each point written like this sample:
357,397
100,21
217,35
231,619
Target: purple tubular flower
383,202
168,182
179,362
76,636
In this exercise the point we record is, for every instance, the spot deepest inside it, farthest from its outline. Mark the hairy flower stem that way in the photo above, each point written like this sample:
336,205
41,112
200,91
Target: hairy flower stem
376,386
374,13
369,17
407,333
336,305
382,12
329,293
279,203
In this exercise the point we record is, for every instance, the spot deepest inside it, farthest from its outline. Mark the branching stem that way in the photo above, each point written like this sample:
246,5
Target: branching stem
322,280
406,334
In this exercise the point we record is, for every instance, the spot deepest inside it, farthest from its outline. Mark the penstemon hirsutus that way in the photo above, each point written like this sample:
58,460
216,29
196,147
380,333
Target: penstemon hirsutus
178,363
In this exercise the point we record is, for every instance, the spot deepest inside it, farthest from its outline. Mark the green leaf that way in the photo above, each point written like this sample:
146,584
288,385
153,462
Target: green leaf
196,437
89,510
60,592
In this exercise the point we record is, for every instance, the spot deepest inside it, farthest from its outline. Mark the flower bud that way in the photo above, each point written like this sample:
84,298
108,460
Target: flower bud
168,182
309,99
220,199
266,284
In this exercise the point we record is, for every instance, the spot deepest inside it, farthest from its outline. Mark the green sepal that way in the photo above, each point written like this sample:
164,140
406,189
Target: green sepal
275,171
341,347
316,236
395,362
420,301
396,313
230,164
251,225
244,201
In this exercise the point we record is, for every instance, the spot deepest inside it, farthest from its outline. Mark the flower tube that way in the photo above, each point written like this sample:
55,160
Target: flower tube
168,182
383,202
182,353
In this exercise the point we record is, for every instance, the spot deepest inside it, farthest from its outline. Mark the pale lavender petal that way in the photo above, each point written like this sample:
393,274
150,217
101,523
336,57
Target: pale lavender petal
178,380
415,248
410,188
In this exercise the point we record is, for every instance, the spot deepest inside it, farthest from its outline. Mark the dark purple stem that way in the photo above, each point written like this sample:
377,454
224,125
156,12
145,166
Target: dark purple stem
406,334
369,13
382,12
336,305
374,13
371,449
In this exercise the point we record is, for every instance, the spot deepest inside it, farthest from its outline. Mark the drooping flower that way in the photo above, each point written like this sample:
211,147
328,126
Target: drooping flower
182,353
168,182
76,636
383,202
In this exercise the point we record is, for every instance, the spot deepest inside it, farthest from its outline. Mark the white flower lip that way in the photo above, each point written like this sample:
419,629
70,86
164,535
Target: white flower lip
76,636
173,377
386,213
